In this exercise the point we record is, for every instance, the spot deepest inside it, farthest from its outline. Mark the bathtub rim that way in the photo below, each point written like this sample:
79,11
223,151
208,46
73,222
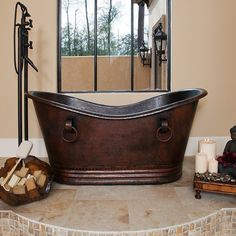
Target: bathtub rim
200,94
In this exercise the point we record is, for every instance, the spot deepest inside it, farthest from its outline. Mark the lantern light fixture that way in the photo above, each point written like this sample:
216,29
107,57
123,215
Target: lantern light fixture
160,38
145,54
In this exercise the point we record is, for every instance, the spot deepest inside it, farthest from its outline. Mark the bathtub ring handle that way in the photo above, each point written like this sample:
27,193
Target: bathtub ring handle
164,129
69,128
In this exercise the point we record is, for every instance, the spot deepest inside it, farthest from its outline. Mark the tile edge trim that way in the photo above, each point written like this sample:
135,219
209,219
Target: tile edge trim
136,232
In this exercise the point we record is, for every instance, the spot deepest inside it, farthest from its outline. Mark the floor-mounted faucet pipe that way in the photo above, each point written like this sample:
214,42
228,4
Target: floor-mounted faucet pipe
26,129
20,67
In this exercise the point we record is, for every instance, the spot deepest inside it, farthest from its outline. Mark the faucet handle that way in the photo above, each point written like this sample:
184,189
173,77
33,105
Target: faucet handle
30,23
30,45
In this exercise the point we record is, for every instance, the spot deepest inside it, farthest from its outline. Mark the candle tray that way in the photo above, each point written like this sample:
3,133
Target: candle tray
33,164
223,184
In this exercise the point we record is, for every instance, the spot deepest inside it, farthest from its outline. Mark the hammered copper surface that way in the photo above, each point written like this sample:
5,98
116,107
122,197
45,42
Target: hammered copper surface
143,143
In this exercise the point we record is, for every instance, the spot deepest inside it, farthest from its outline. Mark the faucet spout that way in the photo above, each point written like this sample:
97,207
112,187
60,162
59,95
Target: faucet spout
31,63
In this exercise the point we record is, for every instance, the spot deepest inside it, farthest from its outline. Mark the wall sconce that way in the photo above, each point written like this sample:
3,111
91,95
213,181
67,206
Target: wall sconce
145,54
160,38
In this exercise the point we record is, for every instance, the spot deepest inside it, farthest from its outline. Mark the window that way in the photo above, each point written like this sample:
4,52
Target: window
99,43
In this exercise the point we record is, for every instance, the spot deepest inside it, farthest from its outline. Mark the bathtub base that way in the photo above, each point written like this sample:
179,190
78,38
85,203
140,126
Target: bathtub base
111,177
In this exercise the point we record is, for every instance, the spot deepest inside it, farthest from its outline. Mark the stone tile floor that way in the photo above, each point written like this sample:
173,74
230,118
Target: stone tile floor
124,208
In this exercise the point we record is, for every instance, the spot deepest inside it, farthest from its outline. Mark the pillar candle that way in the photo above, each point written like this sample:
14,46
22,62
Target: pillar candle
201,163
213,166
208,147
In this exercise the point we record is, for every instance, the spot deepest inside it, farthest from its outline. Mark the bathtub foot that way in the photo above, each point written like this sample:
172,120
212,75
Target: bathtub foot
198,194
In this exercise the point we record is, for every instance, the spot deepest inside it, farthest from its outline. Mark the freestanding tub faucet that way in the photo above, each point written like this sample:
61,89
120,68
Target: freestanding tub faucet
21,62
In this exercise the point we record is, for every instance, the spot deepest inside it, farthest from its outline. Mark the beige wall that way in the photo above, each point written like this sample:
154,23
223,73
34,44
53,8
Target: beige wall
204,52
204,55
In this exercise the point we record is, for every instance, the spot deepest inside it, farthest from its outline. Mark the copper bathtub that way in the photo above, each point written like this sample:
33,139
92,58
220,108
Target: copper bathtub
141,143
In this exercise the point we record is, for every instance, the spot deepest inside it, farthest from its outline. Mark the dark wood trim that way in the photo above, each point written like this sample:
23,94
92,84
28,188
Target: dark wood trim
141,10
59,87
95,75
132,48
169,24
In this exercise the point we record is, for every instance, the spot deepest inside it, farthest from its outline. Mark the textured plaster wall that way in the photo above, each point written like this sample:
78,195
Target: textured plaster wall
203,48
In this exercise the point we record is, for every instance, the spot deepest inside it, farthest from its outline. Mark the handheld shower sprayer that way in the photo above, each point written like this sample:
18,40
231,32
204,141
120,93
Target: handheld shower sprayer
24,9
21,62
23,27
